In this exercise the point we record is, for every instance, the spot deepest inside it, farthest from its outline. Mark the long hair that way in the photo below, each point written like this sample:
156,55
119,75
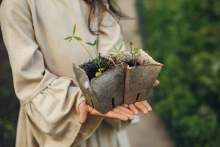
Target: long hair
109,6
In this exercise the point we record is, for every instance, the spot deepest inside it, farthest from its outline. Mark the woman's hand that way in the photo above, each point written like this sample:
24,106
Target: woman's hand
137,107
124,112
120,112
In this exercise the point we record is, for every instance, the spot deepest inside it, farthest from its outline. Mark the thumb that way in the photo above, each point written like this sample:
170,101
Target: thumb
83,111
93,111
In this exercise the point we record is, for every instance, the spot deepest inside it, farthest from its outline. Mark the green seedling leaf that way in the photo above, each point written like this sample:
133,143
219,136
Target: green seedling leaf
93,44
121,45
135,51
96,41
101,69
68,38
74,29
98,73
77,38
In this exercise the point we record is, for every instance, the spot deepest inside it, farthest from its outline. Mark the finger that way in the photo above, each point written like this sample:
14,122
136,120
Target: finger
83,110
141,107
110,114
126,111
147,105
123,112
156,83
115,115
125,105
93,111
133,108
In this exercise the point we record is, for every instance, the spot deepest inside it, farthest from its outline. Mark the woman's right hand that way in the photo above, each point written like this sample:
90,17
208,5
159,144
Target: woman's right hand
120,112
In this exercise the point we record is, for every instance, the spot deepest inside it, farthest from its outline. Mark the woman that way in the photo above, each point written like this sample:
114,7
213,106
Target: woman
53,111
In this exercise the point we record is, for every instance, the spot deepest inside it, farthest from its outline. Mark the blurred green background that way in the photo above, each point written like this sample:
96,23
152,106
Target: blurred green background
185,36
8,102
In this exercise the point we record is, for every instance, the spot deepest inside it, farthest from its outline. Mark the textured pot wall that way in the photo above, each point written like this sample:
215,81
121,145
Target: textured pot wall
139,82
104,92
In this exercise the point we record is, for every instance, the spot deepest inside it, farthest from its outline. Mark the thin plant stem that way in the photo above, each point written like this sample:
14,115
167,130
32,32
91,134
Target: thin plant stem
87,50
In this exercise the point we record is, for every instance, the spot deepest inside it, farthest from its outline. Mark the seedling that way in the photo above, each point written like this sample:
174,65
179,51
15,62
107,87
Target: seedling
135,52
78,39
117,53
97,61
115,79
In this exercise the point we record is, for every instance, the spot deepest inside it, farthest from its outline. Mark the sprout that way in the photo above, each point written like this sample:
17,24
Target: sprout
78,39
135,52
97,61
118,54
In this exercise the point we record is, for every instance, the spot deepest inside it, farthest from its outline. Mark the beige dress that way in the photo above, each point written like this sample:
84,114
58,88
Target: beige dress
41,62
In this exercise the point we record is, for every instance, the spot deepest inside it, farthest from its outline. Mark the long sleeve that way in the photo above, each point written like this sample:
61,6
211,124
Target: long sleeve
48,100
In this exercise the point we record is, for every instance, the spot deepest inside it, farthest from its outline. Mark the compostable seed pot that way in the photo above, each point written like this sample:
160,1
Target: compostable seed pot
139,81
103,92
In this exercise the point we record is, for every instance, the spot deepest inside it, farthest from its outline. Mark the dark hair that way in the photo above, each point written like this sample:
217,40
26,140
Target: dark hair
109,6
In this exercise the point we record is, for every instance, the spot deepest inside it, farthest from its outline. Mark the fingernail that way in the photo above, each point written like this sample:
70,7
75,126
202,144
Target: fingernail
145,111
150,109
126,105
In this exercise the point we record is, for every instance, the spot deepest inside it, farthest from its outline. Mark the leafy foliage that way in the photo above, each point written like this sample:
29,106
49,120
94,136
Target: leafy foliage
185,36
8,106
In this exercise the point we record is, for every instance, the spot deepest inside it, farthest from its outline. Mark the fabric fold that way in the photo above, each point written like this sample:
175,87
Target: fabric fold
48,101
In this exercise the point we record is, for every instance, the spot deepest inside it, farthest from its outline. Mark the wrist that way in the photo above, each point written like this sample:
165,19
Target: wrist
79,101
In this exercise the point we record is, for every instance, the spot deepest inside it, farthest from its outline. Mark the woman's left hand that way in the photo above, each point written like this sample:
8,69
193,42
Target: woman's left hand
137,107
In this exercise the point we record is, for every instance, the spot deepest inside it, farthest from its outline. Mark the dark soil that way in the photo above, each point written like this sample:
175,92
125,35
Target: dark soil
91,68
132,63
